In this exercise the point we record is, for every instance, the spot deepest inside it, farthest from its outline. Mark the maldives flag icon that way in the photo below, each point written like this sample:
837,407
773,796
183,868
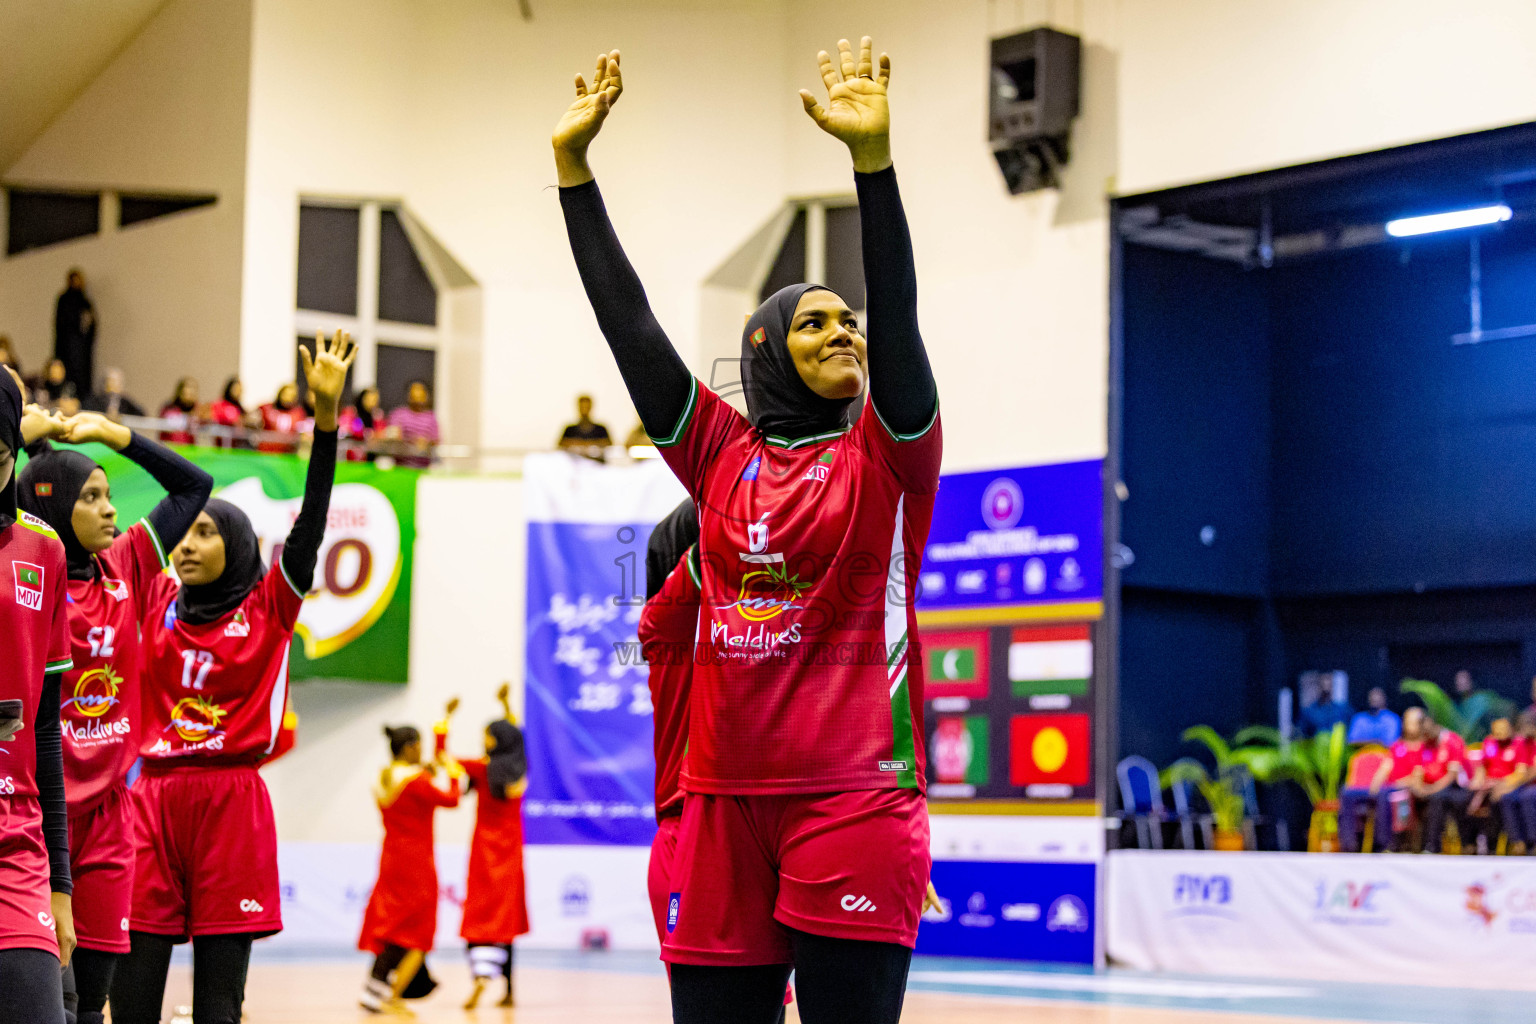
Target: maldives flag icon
957,664
29,584
1049,749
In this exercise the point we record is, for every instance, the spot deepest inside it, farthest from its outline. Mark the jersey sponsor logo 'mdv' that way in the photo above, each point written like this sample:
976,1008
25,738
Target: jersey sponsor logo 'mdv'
29,585
858,904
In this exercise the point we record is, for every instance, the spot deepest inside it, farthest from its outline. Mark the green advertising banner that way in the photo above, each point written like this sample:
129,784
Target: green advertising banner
356,622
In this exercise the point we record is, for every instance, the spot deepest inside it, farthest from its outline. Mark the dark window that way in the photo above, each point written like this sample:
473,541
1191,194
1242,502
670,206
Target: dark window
845,255
136,209
328,259
398,366
308,341
789,265
36,219
406,294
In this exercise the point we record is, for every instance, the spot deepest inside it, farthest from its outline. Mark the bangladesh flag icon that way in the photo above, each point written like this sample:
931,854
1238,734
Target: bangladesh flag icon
1049,749
957,664
1050,660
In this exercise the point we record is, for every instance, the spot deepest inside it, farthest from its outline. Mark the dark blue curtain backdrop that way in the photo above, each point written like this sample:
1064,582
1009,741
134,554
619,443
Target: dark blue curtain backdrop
1367,490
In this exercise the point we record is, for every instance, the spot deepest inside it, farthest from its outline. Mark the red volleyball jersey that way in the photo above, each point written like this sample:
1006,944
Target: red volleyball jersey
1448,754
1501,759
215,693
810,548
34,632
99,702
667,627
1406,757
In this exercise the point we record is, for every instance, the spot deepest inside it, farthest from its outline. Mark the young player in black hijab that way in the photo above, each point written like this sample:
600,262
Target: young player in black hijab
805,726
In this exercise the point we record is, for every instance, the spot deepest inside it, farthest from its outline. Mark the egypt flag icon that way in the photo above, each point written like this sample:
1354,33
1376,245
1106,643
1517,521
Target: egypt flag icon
1049,749
1050,659
957,664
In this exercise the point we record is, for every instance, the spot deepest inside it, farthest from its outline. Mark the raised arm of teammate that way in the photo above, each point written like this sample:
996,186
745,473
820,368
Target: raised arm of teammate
657,379
326,374
186,486
857,114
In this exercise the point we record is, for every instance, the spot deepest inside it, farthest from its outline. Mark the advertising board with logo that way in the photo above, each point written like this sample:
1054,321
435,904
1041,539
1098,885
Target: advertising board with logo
1438,920
1012,910
356,620
1011,591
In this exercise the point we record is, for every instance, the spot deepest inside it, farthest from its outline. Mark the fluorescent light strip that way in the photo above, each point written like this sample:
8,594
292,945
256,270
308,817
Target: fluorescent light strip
1478,216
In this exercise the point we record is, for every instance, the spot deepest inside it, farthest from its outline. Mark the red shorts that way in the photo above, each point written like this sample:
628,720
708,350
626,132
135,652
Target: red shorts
658,877
26,897
206,849
844,865
101,861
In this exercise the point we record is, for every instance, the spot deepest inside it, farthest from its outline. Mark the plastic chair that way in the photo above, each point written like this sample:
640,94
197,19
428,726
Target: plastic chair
1360,773
1183,809
1141,797
1253,817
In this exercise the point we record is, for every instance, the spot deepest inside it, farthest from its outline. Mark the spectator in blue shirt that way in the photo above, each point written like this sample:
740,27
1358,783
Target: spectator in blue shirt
1324,701
1379,725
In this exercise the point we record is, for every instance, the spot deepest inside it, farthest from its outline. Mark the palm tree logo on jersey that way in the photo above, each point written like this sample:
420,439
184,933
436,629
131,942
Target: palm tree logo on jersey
95,692
768,592
195,719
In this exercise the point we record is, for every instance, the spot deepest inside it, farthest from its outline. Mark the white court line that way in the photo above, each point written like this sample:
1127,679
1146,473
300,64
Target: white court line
1119,985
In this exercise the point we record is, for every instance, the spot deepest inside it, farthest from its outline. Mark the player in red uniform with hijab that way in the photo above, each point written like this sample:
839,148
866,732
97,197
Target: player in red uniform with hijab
805,721
495,903
36,918
110,576
400,923
215,686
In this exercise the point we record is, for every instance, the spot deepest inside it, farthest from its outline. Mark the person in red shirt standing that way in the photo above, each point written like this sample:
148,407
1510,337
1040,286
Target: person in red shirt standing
400,924
1503,766
667,625
215,687
1438,787
110,575
36,918
1405,757
804,750
495,904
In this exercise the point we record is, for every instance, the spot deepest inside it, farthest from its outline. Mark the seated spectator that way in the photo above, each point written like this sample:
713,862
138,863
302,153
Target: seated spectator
181,413
52,390
1525,796
585,436
282,415
1324,701
8,355
1503,764
415,425
111,401
229,411
363,422
1438,788
1386,789
1380,725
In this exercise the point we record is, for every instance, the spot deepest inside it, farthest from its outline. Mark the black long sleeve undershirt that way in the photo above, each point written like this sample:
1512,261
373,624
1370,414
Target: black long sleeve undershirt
186,488
50,785
900,380
655,375
302,548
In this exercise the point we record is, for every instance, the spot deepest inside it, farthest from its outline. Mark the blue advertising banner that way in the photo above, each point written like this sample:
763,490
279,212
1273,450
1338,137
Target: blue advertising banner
1027,536
1044,912
591,766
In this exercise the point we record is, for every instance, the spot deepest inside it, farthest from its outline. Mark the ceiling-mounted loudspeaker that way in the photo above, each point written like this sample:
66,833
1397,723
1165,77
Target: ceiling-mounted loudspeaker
1035,93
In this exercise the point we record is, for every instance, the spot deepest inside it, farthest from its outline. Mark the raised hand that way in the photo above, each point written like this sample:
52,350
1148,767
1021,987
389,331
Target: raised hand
38,423
584,118
453,705
326,374
83,427
856,113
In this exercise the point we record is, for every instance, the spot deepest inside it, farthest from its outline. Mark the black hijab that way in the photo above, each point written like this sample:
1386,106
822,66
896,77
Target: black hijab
49,488
10,435
779,403
206,602
672,536
507,760
229,386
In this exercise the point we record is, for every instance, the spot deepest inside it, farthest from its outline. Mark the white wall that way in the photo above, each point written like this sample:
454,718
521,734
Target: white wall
168,115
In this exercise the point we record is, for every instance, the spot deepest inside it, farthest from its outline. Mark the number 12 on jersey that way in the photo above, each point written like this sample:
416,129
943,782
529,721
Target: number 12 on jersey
195,666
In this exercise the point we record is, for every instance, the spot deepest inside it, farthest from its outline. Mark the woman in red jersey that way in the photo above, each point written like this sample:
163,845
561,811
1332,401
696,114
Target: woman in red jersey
110,575
285,414
215,685
181,412
495,905
400,923
804,748
36,918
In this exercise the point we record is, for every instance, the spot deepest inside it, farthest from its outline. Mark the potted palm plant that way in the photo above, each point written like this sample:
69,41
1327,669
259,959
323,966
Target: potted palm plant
1468,719
1317,765
1221,791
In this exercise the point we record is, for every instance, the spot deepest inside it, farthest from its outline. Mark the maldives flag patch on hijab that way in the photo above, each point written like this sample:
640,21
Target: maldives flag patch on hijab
758,337
42,490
